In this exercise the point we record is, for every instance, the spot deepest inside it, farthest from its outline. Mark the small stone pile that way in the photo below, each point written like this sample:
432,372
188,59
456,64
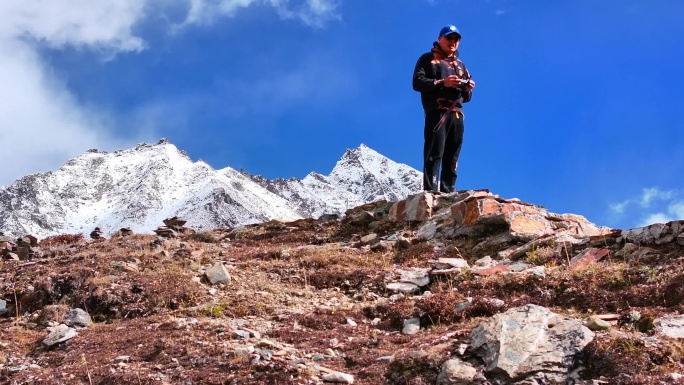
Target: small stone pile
27,247
173,227
22,249
7,245
96,234
125,232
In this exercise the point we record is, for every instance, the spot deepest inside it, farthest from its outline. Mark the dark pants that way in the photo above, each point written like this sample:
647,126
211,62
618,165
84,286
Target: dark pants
442,147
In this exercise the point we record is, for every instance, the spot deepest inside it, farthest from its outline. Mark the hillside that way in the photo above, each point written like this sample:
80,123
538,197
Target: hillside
466,288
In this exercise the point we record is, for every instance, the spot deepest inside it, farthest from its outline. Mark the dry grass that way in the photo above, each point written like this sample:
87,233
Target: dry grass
299,283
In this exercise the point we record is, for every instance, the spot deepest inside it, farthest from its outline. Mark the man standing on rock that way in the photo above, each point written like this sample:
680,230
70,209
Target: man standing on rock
444,85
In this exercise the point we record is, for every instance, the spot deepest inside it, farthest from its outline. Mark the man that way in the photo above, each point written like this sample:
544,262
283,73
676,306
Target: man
444,85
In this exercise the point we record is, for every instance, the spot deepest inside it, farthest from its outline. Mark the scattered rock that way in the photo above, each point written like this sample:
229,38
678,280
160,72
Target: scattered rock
416,276
120,359
595,323
3,308
627,250
427,230
404,287
370,239
485,261
464,304
672,327
539,271
217,274
456,372
59,334
588,257
77,318
411,326
338,377
446,263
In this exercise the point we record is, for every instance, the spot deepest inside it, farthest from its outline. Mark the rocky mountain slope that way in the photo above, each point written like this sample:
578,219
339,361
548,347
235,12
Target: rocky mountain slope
361,176
464,288
138,188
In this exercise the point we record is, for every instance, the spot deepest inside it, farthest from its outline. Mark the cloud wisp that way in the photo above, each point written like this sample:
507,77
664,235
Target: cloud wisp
311,12
653,205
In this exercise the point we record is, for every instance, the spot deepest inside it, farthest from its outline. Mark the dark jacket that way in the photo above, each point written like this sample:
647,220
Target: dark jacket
435,65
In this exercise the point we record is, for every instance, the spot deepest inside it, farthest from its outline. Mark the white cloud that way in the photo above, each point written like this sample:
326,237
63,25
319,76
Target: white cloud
654,193
311,12
655,218
619,208
41,124
653,205
57,23
677,210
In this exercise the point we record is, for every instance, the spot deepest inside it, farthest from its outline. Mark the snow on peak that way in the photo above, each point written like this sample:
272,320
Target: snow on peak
140,187
371,175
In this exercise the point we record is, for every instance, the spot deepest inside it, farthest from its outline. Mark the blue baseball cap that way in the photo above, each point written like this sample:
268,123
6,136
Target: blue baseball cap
448,30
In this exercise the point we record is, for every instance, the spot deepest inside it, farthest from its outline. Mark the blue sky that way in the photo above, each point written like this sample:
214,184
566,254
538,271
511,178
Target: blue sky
578,104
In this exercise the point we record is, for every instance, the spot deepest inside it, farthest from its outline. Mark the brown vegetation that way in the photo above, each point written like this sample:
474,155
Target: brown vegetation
301,284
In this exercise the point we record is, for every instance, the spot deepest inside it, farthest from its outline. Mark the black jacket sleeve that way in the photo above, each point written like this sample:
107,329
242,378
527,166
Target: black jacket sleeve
467,95
422,76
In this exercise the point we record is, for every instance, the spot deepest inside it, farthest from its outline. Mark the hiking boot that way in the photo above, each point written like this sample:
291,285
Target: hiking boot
447,189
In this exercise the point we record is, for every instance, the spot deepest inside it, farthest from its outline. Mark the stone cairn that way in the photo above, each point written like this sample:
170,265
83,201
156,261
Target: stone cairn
19,249
96,234
125,231
172,228
7,246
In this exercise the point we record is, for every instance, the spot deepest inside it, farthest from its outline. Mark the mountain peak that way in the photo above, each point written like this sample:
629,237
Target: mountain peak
140,187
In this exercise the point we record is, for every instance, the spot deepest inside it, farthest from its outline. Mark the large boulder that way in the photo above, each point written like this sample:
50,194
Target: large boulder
529,345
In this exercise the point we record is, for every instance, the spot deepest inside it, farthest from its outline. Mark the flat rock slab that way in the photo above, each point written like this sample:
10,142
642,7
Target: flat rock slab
59,334
588,257
447,263
340,378
403,287
672,327
417,276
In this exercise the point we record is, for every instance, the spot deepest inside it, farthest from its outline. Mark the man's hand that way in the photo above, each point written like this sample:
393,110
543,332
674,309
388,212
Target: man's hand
452,81
470,85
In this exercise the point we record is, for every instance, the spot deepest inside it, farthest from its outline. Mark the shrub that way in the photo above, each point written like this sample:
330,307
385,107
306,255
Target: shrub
62,239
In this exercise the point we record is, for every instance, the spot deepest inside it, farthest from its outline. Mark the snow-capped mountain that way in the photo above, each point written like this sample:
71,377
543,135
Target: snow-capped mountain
362,175
140,187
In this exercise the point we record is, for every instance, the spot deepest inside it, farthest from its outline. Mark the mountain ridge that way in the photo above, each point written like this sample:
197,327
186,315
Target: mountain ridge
139,187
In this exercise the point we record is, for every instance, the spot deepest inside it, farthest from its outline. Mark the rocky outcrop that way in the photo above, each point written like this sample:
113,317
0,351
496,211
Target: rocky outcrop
480,213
